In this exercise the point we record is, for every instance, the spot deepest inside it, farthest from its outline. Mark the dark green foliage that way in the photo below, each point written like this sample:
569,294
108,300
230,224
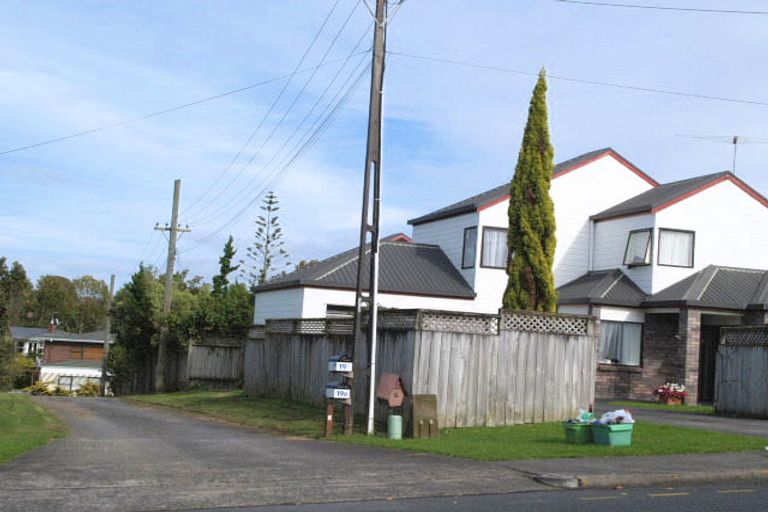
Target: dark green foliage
531,237
268,251
91,303
221,281
7,351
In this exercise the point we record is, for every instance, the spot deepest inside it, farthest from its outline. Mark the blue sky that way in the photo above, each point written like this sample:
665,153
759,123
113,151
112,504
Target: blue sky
88,205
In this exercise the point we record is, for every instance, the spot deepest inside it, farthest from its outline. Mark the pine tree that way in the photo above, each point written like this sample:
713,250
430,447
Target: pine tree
221,281
531,236
268,248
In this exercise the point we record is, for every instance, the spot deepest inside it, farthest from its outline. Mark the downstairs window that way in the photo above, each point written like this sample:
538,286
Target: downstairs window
620,343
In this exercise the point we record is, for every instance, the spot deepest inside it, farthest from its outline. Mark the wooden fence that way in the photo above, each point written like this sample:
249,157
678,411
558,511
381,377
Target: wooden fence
215,362
741,373
485,369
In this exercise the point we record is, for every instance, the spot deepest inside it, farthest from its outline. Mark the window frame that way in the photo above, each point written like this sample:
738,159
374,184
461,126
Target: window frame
642,346
464,264
693,248
649,249
71,381
76,351
482,248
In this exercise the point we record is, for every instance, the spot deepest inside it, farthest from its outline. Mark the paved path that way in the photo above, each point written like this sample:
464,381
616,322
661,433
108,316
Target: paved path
746,426
123,457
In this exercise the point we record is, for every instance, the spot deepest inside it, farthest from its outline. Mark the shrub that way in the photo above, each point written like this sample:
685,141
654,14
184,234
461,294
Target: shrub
89,389
39,388
61,392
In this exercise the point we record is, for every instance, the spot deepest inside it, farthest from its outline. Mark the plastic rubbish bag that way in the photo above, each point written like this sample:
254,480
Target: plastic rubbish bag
618,416
583,417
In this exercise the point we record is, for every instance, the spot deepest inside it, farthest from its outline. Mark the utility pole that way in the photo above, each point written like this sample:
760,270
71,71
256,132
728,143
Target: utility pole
107,328
369,224
174,229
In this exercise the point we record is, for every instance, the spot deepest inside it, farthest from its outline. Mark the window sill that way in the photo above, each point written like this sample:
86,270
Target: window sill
604,367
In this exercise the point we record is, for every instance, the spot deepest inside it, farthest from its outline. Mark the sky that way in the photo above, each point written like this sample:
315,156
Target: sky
87,205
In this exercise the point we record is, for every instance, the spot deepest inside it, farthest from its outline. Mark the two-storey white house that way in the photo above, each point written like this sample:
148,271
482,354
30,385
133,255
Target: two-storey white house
661,266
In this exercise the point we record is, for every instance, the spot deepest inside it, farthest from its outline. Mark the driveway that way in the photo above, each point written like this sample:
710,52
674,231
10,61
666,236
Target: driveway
121,456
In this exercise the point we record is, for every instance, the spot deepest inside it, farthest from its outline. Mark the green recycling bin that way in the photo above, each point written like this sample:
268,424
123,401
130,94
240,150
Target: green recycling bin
619,434
578,433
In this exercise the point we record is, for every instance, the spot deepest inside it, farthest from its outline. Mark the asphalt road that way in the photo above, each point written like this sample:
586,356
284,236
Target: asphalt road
742,497
123,457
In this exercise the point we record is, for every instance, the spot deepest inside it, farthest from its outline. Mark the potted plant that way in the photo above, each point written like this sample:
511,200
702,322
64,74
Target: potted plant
671,393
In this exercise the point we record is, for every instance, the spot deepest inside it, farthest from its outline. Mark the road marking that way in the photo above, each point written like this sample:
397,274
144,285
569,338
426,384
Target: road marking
596,498
735,491
665,494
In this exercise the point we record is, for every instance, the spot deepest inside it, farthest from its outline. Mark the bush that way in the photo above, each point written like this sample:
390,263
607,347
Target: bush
39,388
61,392
89,389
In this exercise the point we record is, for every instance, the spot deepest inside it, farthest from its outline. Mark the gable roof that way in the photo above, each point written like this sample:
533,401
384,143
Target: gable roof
23,333
86,337
501,193
608,287
717,287
656,199
404,268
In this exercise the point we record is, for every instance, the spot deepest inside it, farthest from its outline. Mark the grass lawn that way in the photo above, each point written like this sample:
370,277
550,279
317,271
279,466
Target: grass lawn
544,441
25,425
654,406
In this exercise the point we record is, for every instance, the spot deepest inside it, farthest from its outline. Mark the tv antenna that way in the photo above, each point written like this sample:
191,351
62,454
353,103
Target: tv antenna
735,140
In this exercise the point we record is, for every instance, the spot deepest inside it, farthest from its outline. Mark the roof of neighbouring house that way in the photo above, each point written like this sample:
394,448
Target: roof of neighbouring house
76,363
404,267
23,333
717,287
608,287
86,337
501,192
656,199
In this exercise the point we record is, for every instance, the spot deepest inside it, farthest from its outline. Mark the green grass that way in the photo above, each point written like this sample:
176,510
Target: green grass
654,406
25,425
543,441
264,413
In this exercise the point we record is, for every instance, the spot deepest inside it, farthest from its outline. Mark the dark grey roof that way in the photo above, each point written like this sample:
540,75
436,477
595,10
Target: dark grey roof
717,287
76,363
471,204
403,268
608,287
23,333
655,197
86,337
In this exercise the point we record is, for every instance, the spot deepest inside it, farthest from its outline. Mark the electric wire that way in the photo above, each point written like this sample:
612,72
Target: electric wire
293,103
269,110
245,190
661,7
670,92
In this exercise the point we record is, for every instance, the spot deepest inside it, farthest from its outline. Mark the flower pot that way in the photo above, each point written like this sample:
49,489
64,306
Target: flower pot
671,400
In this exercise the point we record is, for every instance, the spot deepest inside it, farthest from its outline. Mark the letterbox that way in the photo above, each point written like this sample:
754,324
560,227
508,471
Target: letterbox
338,391
340,363
391,389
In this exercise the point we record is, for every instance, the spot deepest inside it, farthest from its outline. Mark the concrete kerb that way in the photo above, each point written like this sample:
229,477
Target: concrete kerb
645,480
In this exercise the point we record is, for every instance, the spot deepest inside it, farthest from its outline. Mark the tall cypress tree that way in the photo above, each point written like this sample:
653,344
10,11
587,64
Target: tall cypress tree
221,281
531,237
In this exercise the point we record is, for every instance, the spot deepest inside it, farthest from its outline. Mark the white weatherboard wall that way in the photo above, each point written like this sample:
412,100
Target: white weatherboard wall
449,235
278,304
731,230
611,243
316,301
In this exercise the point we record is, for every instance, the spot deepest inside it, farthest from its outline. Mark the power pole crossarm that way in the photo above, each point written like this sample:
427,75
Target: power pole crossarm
174,229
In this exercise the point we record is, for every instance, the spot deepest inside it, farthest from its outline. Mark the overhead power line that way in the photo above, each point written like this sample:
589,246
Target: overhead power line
661,7
500,69
172,109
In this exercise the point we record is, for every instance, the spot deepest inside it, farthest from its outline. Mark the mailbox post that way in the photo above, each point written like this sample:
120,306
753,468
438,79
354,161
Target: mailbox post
339,390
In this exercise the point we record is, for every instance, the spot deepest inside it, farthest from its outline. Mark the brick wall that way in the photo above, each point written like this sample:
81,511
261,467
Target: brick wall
662,361
690,334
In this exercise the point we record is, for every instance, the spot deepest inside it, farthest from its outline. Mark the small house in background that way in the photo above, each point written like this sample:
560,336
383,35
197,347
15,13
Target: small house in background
65,360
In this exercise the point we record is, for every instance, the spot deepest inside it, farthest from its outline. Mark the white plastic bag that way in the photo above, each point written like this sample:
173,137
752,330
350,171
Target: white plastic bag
618,416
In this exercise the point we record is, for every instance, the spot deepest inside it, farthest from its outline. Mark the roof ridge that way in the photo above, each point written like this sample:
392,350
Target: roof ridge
612,285
706,285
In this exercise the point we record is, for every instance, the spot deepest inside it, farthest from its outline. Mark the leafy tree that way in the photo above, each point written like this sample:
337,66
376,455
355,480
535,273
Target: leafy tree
6,343
55,297
531,236
302,264
268,249
221,281
19,293
91,303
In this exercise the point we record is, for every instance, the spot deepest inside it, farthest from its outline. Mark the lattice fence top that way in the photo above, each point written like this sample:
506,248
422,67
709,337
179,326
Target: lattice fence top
745,336
459,322
542,322
443,321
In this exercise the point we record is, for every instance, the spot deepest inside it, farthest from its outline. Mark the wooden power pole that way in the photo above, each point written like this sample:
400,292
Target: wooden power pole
369,224
174,229
107,328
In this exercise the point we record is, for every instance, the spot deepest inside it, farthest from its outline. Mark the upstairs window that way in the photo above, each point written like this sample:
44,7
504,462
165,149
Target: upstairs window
470,247
638,251
494,248
676,248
